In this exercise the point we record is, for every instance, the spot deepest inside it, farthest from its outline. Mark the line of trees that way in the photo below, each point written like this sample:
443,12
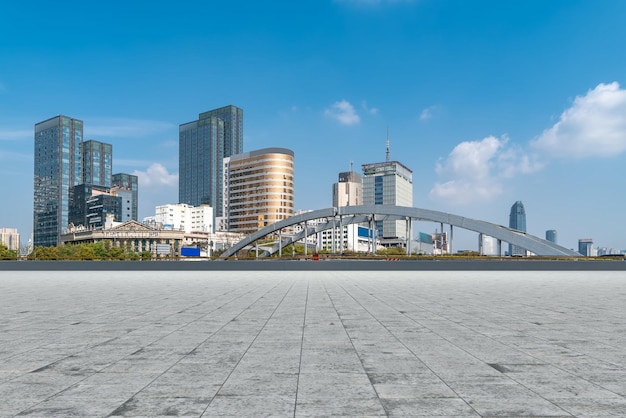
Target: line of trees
91,251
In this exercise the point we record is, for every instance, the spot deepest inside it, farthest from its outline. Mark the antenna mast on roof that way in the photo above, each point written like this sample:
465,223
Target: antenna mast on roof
387,154
351,166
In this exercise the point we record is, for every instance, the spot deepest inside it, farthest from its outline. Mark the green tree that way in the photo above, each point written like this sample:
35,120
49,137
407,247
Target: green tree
6,254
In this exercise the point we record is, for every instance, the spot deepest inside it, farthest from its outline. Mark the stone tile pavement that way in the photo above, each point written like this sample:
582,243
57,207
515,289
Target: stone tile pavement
299,344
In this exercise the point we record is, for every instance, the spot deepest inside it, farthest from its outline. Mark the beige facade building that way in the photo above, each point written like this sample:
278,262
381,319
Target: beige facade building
349,190
10,238
260,189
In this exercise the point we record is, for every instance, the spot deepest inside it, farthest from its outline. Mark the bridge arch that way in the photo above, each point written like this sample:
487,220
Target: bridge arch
356,214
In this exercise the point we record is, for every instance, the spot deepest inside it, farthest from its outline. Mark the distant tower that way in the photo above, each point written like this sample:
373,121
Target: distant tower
349,190
551,235
585,246
388,183
517,221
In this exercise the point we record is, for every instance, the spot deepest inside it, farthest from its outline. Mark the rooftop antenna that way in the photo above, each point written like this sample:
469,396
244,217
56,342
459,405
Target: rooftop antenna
387,154
351,166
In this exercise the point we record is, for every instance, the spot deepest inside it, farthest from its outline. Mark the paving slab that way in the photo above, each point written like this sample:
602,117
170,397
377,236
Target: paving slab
312,343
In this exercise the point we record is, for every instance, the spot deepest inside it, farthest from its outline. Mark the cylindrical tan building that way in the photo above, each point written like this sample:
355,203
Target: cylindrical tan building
260,189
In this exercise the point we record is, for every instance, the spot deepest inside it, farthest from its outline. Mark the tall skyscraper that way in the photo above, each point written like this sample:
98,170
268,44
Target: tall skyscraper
203,144
388,183
260,188
57,168
128,189
349,190
517,221
97,163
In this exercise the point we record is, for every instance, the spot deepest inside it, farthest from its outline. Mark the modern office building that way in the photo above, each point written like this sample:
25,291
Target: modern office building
348,191
90,204
128,189
388,183
585,247
203,144
260,188
551,235
97,163
57,168
10,238
183,217
517,221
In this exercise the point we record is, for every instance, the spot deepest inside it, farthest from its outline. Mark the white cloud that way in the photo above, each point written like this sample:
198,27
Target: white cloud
16,135
428,112
344,112
370,110
595,125
124,128
156,176
474,170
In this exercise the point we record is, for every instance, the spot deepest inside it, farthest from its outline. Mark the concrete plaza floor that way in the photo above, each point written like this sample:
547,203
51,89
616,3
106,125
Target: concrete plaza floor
298,343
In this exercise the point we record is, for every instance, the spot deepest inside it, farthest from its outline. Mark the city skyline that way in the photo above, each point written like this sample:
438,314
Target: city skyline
487,103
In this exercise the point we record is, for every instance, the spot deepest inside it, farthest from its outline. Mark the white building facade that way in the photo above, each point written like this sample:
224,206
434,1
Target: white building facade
183,217
388,183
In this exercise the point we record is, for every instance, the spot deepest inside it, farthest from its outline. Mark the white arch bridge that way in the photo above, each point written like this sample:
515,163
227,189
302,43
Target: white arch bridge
337,217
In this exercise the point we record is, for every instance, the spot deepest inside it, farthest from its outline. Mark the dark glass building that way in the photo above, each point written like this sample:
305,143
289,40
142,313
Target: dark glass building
97,163
90,204
517,221
57,169
203,144
128,189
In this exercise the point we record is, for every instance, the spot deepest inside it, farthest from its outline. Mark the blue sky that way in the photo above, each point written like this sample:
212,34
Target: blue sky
488,102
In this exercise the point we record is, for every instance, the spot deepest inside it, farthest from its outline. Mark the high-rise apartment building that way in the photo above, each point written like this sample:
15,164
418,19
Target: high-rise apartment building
517,221
57,168
97,163
388,183
203,144
260,188
128,189
348,191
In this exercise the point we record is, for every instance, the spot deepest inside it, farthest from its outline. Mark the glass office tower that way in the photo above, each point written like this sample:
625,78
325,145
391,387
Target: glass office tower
517,221
97,163
202,146
127,182
57,168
